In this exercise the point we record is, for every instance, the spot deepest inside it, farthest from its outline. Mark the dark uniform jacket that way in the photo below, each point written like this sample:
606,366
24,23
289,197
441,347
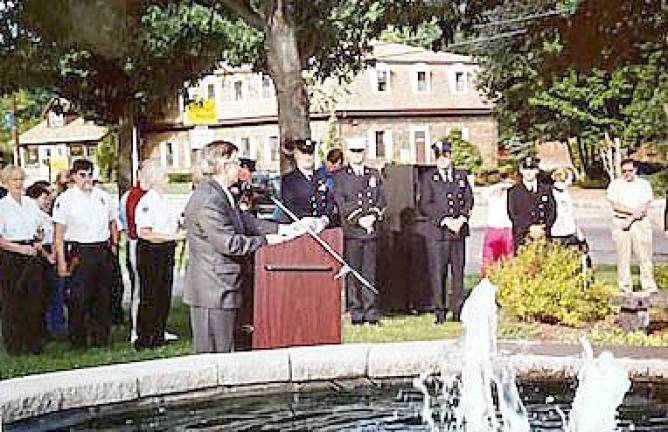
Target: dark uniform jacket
221,240
526,208
441,198
358,196
306,197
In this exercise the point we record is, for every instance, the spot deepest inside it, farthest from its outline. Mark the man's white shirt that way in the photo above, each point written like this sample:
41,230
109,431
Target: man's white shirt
85,215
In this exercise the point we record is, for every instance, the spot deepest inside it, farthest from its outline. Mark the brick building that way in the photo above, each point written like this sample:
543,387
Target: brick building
404,100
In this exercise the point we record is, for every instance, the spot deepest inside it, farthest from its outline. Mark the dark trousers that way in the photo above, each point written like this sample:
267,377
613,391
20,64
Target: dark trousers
155,263
24,297
442,254
117,293
89,296
361,255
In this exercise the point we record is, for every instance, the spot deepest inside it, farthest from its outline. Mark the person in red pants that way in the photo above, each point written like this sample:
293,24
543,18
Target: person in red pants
498,239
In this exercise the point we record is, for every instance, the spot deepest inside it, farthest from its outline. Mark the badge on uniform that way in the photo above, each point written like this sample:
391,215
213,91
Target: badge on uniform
322,187
462,183
372,182
436,178
543,198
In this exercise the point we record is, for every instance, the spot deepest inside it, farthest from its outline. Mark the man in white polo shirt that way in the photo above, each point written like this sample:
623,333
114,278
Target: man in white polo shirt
630,198
86,236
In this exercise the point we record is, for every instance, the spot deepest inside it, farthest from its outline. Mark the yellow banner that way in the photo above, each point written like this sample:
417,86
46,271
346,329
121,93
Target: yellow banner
202,112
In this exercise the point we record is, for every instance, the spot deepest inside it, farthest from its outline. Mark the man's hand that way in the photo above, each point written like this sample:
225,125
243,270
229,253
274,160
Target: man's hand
367,222
536,232
62,269
180,235
316,224
28,250
274,239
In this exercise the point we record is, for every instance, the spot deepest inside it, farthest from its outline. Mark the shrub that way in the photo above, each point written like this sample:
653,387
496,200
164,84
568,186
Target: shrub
661,276
545,283
465,155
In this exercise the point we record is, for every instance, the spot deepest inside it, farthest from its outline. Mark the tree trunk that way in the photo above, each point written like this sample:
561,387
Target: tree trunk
284,64
125,127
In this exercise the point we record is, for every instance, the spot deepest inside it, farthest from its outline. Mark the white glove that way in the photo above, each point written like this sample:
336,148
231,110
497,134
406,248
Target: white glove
274,239
316,224
367,222
295,229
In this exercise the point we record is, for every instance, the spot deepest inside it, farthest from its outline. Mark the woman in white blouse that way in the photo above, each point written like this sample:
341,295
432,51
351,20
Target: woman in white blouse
564,230
23,288
158,230
498,239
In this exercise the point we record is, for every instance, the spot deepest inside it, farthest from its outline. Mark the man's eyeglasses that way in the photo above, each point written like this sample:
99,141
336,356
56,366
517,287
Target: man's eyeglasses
85,174
631,170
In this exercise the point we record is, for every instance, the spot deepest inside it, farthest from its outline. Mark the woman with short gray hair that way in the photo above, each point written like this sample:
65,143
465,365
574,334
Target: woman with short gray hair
23,274
158,230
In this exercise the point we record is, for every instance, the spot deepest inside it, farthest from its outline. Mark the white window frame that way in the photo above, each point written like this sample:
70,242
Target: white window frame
373,75
267,149
241,147
244,89
272,91
427,143
417,68
387,142
163,155
452,79
211,87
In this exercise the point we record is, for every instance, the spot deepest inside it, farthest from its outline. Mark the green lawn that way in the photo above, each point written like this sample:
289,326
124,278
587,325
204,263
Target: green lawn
58,355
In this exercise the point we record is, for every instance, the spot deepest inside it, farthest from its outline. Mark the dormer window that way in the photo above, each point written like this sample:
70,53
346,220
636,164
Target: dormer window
381,78
421,78
460,80
56,119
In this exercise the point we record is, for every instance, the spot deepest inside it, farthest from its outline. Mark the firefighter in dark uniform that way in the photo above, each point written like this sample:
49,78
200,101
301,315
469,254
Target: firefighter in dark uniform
446,199
358,193
86,243
531,205
305,191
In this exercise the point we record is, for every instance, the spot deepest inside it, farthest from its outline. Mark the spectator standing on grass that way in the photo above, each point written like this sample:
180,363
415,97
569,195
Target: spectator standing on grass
498,238
55,314
531,205
630,198
158,231
564,230
446,199
23,282
86,243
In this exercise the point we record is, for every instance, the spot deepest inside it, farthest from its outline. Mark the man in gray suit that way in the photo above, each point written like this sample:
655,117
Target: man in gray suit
221,240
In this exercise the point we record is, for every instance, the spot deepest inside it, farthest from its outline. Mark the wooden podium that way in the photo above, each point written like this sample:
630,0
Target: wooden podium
297,301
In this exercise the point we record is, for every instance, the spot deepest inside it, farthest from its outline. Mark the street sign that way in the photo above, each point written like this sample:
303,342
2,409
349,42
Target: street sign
201,112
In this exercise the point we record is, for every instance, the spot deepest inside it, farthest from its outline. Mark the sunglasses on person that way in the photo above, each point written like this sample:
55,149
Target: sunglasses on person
357,150
628,170
85,174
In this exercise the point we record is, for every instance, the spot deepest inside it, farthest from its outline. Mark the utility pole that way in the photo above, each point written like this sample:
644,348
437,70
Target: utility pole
15,130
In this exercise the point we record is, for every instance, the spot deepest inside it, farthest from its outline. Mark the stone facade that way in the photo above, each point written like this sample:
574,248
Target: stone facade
407,99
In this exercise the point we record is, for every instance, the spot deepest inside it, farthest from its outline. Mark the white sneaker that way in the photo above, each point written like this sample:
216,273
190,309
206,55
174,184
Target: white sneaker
170,337
133,337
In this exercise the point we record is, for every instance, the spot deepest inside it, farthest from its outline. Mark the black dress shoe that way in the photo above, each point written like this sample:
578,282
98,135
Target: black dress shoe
440,317
374,322
357,322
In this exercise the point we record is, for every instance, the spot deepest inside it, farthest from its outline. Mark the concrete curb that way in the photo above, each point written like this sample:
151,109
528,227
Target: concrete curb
36,395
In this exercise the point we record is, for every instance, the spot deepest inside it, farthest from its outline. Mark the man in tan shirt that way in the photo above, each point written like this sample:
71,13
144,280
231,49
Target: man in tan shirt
630,198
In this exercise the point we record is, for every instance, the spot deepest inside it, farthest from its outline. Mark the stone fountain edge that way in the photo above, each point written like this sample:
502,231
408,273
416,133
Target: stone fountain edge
287,368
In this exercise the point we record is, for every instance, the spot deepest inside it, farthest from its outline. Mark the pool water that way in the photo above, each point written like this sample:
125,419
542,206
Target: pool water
383,408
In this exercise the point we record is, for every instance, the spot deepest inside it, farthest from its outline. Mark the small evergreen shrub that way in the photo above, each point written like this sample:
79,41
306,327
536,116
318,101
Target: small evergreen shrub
545,283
